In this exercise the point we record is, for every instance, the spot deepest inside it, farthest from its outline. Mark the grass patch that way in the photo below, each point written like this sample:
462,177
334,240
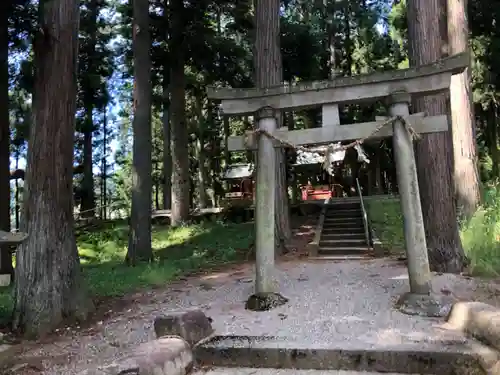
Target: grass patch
179,251
386,220
480,235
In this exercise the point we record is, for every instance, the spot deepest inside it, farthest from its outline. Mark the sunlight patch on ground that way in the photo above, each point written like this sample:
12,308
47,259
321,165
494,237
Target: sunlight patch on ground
216,276
400,277
111,244
165,237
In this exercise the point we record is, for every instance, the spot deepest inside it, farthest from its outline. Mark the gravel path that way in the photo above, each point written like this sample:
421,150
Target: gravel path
346,304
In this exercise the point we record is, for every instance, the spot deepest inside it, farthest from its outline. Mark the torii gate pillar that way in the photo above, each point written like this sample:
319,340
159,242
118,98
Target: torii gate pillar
265,297
406,169
420,300
265,203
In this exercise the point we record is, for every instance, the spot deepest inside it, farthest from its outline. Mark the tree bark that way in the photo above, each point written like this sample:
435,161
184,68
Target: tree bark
139,242
330,26
104,167
492,126
156,187
88,196
48,279
294,182
5,251
167,144
434,152
167,150
348,44
227,133
200,153
180,141
378,173
215,162
466,175
269,72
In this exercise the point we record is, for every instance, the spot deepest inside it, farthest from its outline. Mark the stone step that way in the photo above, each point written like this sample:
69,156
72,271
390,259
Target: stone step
344,242
350,220
343,224
342,218
345,199
340,205
342,250
341,235
275,371
342,228
337,230
352,203
340,257
343,213
300,354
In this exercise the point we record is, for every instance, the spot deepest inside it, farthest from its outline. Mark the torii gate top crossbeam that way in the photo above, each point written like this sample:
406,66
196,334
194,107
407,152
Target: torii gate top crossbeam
423,80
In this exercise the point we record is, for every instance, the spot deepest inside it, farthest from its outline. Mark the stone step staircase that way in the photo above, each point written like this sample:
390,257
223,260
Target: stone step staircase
250,355
253,371
343,232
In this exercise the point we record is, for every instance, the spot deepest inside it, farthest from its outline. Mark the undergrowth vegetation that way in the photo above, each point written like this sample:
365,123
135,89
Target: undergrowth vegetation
178,251
480,235
387,221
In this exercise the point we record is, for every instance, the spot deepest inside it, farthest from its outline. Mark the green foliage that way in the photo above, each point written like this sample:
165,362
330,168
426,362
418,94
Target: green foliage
178,252
387,221
481,234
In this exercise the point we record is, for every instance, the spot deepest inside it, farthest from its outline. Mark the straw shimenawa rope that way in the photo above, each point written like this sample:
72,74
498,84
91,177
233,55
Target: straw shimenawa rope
336,148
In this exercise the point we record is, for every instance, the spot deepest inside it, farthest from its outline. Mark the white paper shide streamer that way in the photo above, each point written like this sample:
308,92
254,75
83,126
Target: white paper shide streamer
332,156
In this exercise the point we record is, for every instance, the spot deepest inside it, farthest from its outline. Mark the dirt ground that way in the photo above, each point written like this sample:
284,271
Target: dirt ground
122,324
28,357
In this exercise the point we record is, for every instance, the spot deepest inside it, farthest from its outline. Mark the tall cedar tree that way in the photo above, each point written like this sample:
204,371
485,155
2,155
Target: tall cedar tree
5,252
139,243
167,147
466,175
180,135
88,196
48,281
434,152
269,72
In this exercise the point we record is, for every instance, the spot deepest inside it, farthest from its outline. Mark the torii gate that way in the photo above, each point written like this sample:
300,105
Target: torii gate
396,87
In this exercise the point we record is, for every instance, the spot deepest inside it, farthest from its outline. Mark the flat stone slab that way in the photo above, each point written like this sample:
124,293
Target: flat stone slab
441,358
252,371
5,280
12,238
